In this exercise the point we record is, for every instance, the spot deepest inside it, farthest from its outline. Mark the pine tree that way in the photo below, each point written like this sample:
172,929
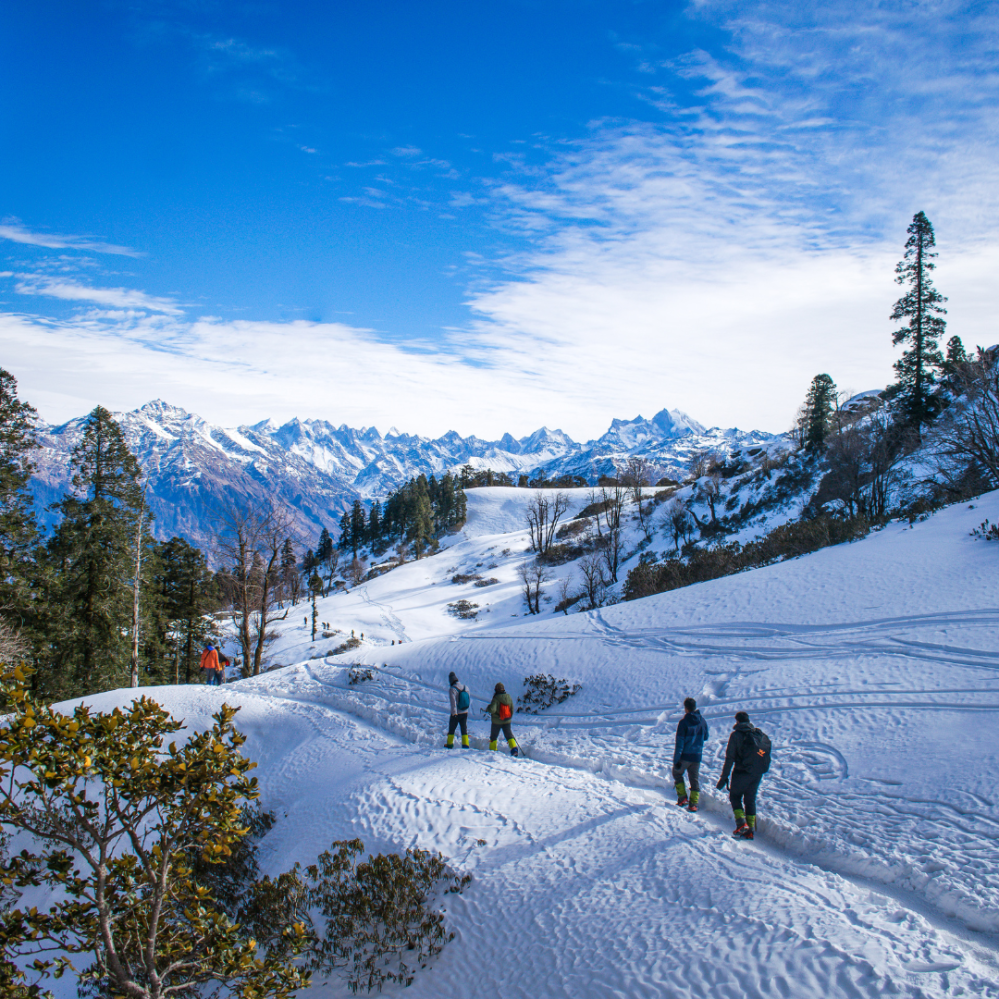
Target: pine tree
358,526
375,522
921,307
185,593
92,553
346,539
819,405
18,528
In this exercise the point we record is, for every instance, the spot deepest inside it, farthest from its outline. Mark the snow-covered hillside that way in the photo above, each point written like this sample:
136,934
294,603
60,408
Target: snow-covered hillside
873,666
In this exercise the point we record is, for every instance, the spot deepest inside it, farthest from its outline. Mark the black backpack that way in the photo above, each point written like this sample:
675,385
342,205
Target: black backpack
758,750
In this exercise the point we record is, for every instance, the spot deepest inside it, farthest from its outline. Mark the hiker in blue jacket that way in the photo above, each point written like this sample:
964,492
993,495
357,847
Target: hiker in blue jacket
460,700
691,732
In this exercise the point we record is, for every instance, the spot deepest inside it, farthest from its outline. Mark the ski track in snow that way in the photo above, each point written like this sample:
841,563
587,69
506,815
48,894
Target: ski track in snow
873,666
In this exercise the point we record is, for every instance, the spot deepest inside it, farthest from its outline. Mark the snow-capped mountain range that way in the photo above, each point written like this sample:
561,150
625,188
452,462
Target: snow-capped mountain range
315,470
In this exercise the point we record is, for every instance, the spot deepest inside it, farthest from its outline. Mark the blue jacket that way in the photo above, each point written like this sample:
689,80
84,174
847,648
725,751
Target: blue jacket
690,736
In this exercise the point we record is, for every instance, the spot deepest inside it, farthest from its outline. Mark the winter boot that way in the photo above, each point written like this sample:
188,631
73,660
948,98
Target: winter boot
744,832
694,797
740,821
464,742
514,749
450,741
492,745
681,794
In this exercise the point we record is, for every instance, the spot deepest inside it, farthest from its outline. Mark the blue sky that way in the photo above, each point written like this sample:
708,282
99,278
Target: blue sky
484,217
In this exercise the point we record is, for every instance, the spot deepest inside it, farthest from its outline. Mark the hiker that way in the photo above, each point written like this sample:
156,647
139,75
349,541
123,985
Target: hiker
691,733
461,700
500,709
210,663
223,667
747,759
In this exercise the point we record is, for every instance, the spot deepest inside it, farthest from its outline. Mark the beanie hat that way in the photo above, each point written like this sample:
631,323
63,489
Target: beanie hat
452,678
500,689
741,716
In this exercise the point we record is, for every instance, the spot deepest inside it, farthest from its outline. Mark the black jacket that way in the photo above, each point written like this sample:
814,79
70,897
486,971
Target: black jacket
740,755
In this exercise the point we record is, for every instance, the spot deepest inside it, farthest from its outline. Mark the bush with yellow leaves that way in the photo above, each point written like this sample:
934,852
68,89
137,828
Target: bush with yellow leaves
119,817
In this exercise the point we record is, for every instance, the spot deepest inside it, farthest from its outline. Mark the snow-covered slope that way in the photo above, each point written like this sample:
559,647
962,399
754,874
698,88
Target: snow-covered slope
873,666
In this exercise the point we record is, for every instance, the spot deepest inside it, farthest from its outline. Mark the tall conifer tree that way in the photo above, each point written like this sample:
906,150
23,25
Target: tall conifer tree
18,528
818,411
93,548
921,308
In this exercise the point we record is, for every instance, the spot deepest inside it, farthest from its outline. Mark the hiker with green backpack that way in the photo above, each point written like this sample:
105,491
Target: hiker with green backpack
500,710
461,700
747,759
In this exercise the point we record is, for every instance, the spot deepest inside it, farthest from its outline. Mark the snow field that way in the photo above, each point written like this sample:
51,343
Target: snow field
873,666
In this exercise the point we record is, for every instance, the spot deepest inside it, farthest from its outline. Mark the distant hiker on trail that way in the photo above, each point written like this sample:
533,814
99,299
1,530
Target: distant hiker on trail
223,666
461,700
747,759
210,664
691,733
500,709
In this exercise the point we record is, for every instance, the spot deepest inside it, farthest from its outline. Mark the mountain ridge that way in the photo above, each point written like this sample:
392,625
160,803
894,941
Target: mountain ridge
315,470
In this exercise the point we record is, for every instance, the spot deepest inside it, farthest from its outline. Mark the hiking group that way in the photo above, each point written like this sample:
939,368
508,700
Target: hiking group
499,709
747,759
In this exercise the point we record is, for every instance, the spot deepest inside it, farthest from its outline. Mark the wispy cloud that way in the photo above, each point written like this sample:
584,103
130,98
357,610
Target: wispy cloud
117,298
14,231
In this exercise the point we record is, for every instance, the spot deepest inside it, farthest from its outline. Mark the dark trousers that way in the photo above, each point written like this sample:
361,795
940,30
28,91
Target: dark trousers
494,731
457,720
742,793
693,770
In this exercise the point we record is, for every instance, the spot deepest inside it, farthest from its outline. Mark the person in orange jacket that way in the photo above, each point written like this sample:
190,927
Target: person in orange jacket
210,664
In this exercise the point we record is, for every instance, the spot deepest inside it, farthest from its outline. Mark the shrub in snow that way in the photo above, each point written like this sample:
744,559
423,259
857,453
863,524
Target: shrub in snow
543,690
358,675
464,609
188,904
701,564
491,581
990,532
351,643
383,915
459,578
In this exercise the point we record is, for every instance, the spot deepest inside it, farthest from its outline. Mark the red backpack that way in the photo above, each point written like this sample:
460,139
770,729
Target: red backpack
505,712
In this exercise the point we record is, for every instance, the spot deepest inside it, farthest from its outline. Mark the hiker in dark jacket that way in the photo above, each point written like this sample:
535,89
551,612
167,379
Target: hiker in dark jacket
691,733
500,710
743,762
459,711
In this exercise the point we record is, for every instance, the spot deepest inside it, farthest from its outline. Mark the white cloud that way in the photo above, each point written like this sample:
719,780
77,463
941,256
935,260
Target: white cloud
119,298
17,233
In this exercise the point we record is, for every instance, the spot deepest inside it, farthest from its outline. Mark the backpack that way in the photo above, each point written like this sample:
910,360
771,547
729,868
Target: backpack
463,700
505,712
759,745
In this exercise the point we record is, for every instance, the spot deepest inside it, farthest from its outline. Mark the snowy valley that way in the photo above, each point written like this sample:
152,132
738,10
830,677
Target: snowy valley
872,666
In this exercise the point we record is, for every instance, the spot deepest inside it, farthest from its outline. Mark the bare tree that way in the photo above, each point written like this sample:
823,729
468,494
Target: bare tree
613,501
864,464
357,571
330,564
136,590
543,514
565,592
638,476
248,543
592,568
709,490
533,575
612,550
678,521
967,437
